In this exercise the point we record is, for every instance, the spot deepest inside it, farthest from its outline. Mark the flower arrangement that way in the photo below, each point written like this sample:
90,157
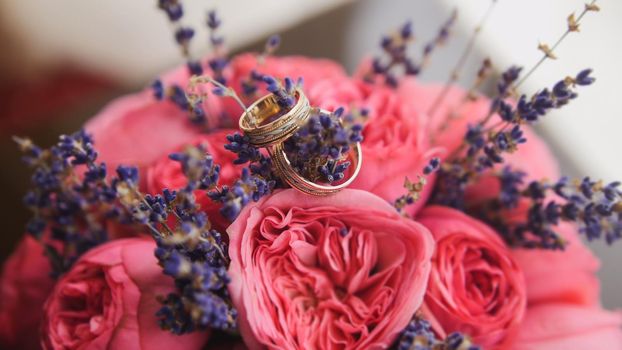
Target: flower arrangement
161,225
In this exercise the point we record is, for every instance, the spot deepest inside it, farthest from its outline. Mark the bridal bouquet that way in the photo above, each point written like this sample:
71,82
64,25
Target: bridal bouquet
255,201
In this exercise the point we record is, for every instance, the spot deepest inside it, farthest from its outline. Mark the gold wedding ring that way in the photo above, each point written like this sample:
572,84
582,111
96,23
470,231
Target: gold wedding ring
265,123
297,181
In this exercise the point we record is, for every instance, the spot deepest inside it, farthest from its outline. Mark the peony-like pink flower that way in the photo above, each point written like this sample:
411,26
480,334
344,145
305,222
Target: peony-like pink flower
108,301
25,284
395,144
475,285
559,326
166,173
342,272
138,129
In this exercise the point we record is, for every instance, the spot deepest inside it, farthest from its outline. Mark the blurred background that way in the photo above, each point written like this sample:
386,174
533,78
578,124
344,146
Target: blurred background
62,61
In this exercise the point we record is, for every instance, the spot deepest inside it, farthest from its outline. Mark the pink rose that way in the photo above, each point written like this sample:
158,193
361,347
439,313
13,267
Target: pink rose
25,284
395,144
166,173
475,285
342,272
138,129
108,301
566,326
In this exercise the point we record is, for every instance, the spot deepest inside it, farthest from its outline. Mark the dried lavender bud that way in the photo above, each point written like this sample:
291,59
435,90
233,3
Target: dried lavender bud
420,336
318,151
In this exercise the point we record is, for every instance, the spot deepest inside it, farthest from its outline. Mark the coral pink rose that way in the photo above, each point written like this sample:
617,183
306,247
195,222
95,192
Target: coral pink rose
166,173
26,283
475,285
108,301
138,129
395,144
566,326
342,272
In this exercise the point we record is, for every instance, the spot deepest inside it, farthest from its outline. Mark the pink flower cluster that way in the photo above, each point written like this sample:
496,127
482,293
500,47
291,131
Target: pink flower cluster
341,272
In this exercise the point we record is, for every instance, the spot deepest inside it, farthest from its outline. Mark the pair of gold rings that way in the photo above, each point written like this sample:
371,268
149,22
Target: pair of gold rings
268,125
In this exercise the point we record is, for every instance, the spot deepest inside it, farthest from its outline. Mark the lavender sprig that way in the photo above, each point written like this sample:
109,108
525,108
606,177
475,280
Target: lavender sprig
246,189
188,249
272,44
572,25
419,335
183,34
416,188
510,84
250,84
455,72
285,93
441,37
318,150
485,146
73,199
72,208
395,47
190,102
595,206
528,110
219,60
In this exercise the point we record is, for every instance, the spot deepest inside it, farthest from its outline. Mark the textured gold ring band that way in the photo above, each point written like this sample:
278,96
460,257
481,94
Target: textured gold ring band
265,123
289,174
